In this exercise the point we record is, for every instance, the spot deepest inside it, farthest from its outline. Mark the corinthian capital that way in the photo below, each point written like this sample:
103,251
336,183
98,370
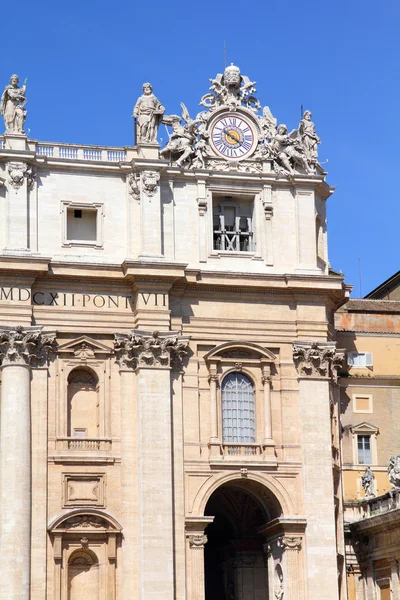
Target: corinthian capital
150,349
25,345
289,543
317,359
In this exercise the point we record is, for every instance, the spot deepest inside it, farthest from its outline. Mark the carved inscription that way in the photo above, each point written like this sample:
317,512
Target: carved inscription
90,300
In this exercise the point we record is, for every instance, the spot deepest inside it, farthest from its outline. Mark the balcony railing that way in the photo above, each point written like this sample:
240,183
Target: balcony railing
81,153
248,451
84,444
371,507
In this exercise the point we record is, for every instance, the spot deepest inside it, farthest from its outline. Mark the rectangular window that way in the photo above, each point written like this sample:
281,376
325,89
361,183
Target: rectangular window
80,433
81,225
233,224
364,449
360,359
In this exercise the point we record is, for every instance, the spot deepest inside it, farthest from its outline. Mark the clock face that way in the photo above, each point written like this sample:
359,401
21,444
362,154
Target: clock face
233,137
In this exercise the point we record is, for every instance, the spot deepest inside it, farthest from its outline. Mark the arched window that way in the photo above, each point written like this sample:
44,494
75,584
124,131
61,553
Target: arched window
83,404
238,419
83,575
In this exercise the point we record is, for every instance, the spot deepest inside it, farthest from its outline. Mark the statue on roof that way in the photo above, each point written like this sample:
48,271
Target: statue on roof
12,105
308,137
149,112
183,139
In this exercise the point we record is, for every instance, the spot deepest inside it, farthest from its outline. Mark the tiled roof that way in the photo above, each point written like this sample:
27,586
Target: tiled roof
386,306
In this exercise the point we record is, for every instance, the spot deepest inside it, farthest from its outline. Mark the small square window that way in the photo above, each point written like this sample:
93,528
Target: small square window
364,449
82,224
362,403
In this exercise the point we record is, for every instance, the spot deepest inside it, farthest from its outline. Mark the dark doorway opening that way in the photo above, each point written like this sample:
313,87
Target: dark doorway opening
234,560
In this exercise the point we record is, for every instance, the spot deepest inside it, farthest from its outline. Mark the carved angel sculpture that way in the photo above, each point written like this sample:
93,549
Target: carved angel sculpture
288,150
183,137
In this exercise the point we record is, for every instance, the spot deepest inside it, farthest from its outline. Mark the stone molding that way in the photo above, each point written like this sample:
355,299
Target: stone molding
159,350
317,359
197,542
289,543
26,346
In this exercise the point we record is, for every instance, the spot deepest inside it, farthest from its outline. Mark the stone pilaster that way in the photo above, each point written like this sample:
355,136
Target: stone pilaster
394,572
291,547
19,349
152,355
196,549
317,364
215,443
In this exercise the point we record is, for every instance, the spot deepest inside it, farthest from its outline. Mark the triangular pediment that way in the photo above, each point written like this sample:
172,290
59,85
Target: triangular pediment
84,344
364,427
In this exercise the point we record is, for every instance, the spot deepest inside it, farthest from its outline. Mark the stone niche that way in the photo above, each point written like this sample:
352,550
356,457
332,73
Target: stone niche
85,554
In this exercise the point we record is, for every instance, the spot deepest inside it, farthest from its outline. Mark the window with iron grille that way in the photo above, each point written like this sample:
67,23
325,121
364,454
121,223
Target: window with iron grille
233,224
238,417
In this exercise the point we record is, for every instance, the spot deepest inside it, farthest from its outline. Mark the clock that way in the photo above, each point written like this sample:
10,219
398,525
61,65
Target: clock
233,136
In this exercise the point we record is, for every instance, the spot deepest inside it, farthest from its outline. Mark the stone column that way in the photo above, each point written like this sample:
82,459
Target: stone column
152,355
19,348
291,547
316,363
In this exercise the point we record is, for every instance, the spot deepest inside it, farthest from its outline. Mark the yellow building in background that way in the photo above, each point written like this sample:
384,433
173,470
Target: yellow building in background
369,330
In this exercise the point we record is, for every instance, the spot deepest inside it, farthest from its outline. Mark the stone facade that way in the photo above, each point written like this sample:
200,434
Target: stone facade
169,375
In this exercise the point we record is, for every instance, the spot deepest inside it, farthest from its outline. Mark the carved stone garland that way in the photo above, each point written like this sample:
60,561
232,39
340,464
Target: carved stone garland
146,349
318,359
26,346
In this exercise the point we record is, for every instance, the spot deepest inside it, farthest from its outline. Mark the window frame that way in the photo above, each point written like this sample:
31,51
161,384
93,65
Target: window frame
253,425
254,196
97,207
360,430
352,355
364,437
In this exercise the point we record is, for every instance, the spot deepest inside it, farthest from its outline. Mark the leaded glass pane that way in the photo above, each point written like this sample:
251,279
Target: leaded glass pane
238,421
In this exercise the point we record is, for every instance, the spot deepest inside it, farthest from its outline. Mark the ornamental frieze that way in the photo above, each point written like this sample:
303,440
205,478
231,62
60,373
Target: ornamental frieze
317,359
150,349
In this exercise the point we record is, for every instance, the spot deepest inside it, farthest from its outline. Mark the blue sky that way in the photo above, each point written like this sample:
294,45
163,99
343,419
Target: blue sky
86,61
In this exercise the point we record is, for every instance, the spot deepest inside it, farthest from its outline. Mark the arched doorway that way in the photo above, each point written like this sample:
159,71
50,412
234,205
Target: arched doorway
234,560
